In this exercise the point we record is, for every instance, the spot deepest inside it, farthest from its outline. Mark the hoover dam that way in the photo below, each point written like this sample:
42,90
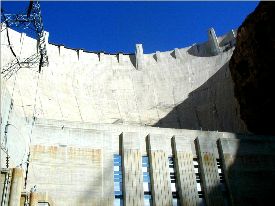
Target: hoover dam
94,128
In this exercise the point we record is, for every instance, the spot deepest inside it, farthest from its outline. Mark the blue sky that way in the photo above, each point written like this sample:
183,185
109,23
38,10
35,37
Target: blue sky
118,26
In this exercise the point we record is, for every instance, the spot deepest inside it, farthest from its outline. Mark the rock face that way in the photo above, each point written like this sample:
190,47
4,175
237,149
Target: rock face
253,69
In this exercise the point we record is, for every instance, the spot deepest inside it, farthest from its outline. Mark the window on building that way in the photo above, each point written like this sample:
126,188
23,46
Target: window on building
199,183
172,171
118,181
146,181
222,183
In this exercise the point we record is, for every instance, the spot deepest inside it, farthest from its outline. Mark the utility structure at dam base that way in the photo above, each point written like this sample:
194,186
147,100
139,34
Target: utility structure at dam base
161,129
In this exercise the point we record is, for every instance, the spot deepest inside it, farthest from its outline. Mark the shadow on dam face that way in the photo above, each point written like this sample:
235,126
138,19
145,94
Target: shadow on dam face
247,161
249,171
211,107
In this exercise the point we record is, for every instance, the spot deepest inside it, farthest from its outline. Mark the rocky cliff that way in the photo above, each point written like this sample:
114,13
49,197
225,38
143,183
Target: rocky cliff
253,70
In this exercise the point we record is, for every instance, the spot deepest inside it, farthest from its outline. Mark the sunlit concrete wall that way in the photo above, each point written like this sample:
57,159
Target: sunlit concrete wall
15,131
73,161
187,88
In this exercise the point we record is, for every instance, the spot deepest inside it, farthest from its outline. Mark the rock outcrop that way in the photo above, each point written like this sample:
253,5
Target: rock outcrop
253,69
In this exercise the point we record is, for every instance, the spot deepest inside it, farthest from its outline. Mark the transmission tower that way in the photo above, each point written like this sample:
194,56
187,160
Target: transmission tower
31,20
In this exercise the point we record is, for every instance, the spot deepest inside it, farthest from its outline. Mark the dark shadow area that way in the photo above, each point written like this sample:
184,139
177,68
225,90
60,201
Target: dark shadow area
211,107
204,50
228,43
133,59
252,69
173,54
200,50
155,57
249,171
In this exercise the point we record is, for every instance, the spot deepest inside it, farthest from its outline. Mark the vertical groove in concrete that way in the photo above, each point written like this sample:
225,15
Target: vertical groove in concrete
227,159
186,179
207,154
107,195
16,187
132,170
159,169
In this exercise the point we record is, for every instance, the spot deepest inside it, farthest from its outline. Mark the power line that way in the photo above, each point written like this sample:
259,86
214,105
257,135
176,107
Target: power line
33,18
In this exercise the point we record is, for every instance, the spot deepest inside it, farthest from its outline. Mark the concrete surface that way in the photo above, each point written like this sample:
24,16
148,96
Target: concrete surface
141,89
63,126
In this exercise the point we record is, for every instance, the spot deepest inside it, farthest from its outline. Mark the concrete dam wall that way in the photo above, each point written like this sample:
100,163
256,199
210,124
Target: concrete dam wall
86,130
188,88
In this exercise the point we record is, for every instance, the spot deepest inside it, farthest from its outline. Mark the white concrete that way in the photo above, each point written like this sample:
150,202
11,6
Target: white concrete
105,88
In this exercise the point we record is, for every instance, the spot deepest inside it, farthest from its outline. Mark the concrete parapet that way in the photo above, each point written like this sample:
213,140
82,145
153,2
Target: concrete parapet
139,57
120,57
178,55
158,55
16,187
